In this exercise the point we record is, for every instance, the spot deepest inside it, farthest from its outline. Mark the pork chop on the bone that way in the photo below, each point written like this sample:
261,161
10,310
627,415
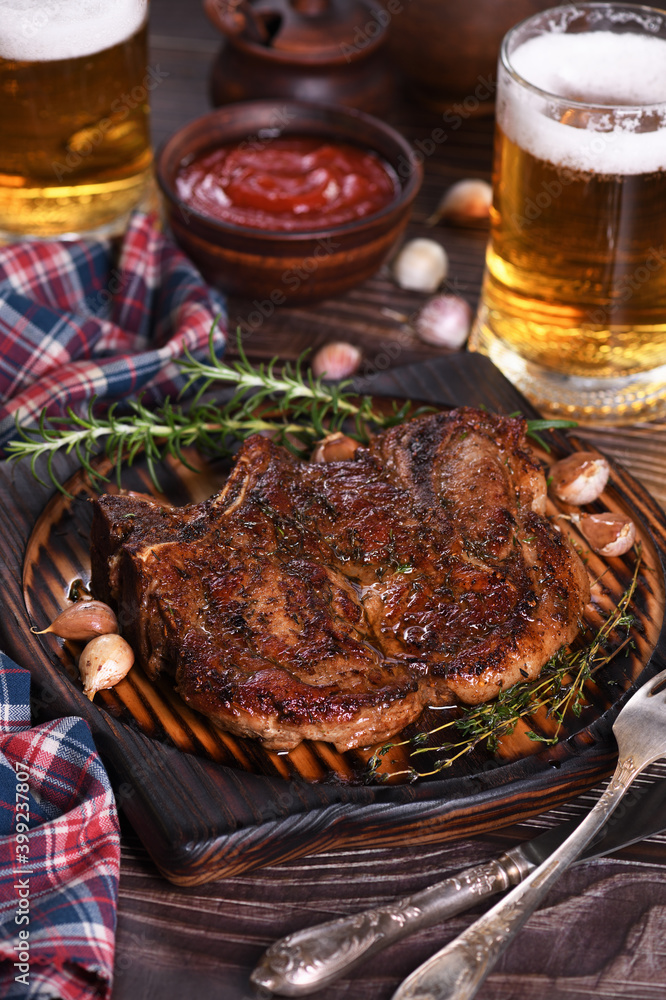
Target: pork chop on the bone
335,602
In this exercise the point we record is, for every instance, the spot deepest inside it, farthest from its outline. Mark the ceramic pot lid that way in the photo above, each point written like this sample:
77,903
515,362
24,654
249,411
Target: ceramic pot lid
307,30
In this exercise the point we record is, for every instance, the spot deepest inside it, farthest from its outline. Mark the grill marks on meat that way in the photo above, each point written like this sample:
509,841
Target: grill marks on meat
335,601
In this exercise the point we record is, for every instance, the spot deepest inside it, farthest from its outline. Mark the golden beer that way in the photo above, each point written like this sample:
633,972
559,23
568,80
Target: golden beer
573,306
75,154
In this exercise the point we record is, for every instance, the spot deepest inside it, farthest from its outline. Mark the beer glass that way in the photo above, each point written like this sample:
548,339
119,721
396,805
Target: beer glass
573,305
75,154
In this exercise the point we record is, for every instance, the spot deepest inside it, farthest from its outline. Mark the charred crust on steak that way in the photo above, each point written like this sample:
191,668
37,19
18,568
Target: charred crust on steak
335,601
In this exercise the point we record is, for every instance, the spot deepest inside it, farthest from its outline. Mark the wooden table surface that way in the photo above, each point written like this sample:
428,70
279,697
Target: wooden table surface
602,931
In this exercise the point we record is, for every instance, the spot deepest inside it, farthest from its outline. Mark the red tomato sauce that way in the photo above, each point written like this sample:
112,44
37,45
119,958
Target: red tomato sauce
288,184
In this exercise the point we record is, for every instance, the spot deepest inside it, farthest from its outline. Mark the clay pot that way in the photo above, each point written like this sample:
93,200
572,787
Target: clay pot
323,51
287,267
447,51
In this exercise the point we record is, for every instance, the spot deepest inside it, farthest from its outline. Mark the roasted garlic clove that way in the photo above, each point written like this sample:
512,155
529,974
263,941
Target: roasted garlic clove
579,478
608,534
444,321
104,662
421,265
335,447
336,360
467,203
82,621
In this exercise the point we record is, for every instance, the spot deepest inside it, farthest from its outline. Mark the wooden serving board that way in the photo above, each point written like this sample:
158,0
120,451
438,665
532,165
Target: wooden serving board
207,804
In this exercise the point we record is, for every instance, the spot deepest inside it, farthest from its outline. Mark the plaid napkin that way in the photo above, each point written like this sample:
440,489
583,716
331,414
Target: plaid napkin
78,320
59,854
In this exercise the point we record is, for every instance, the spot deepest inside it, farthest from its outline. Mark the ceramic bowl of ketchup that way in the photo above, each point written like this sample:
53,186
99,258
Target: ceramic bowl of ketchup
288,202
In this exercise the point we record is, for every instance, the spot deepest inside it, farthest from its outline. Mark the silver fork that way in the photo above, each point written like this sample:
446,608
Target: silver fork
457,971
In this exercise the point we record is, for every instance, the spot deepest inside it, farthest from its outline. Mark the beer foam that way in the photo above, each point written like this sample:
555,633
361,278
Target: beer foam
46,30
599,68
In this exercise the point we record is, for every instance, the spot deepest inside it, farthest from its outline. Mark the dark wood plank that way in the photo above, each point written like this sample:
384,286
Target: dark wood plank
598,933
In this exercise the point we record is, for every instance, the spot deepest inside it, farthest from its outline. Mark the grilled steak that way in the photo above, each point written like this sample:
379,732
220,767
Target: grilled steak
335,601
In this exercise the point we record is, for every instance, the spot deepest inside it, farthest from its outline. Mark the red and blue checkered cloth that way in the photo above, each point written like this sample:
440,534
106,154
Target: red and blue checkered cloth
78,320
59,854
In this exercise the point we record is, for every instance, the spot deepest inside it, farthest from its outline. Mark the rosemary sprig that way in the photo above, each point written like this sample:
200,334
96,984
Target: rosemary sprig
322,405
167,430
535,425
292,405
559,690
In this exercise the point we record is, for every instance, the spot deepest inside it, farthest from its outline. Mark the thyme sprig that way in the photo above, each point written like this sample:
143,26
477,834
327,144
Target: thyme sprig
559,690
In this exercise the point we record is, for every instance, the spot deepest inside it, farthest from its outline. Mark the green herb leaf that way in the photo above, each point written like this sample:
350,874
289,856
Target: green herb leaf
536,425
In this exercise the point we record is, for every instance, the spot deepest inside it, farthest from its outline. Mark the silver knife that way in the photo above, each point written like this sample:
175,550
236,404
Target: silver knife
312,958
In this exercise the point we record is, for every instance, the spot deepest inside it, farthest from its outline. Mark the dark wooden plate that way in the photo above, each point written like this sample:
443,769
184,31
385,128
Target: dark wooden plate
208,804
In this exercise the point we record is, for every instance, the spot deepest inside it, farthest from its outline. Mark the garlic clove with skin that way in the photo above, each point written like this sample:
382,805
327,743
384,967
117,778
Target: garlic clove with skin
421,265
104,662
466,203
444,321
337,447
83,620
579,478
336,360
608,534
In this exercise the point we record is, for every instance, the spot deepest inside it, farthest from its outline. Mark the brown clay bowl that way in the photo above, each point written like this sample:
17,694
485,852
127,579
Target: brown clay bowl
293,266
